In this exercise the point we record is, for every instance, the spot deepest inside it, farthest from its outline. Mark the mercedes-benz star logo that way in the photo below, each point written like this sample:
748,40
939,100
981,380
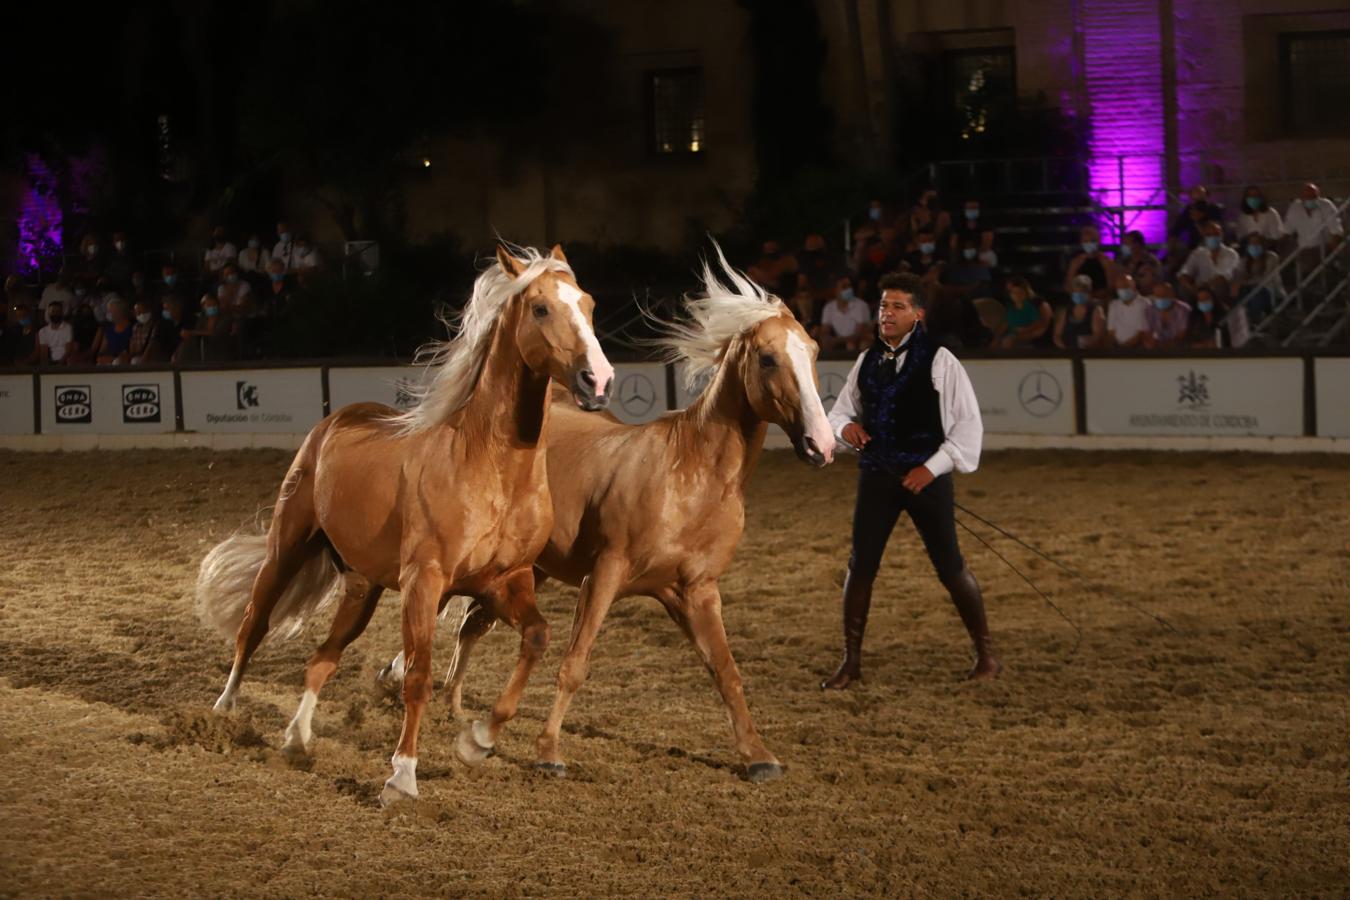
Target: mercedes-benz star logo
637,394
1040,393
831,383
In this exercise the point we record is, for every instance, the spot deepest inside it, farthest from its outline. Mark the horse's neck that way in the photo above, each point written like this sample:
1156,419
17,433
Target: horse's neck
509,405
722,426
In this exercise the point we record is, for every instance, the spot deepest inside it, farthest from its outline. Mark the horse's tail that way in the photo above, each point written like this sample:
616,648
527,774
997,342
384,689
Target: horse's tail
225,586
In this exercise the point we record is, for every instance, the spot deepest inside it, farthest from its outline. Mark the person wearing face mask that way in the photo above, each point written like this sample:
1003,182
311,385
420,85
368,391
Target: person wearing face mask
1127,316
1258,217
307,259
212,339
970,227
18,336
169,333
1313,221
846,322
1250,286
144,334
284,249
219,254
1205,330
254,258
1168,319
56,339
89,267
908,408
1081,325
1134,255
120,266
112,346
1091,262
1027,317
1212,264
1185,234
924,260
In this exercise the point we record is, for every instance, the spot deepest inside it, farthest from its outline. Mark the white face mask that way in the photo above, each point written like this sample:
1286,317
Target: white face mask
143,318
253,243
93,250
119,246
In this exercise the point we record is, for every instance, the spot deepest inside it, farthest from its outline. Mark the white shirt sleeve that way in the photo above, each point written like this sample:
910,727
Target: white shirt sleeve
845,409
961,421
1192,265
1333,221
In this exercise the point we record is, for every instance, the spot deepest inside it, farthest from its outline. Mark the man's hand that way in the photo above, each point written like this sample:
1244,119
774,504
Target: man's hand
856,437
918,478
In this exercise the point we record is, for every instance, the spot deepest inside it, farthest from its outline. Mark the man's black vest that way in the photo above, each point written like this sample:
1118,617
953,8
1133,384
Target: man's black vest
901,411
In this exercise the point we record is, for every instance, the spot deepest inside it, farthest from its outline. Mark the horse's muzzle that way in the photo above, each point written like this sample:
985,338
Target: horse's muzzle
808,451
588,394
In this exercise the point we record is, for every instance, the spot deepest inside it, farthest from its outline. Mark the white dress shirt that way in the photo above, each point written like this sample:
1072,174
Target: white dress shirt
1268,224
283,251
961,423
1204,265
215,258
1315,227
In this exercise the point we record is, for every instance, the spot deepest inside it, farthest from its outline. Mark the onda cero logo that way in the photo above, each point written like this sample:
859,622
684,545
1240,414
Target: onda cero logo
140,403
74,404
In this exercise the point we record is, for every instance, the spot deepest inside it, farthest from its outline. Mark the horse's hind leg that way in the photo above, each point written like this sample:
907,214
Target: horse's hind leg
515,604
478,621
698,612
358,604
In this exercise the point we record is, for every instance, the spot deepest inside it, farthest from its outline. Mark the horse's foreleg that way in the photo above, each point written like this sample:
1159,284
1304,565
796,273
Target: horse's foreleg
422,585
353,615
515,603
477,622
593,601
698,612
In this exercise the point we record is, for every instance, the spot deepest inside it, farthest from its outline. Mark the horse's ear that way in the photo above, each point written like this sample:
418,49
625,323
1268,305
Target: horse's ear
557,254
510,265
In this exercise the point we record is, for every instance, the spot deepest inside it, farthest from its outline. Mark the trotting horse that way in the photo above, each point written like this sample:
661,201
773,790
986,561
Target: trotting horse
658,509
449,497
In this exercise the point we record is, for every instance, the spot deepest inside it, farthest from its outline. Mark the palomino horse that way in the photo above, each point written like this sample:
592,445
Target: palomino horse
658,509
450,497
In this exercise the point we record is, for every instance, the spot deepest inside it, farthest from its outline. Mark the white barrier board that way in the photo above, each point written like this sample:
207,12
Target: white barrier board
390,385
256,401
1331,380
16,404
1216,397
1024,396
126,401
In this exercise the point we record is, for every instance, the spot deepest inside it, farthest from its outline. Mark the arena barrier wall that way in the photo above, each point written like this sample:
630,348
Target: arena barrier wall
1068,400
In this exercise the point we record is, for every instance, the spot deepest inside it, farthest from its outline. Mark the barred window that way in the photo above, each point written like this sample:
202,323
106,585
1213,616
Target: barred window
675,102
1315,83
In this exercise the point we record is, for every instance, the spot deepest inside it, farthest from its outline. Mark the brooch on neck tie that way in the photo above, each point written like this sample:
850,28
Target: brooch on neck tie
889,355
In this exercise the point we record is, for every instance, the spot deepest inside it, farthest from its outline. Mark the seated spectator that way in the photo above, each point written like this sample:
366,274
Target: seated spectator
254,258
924,260
1184,235
1313,221
803,307
18,336
56,339
89,267
881,257
1168,319
1127,316
1258,218
1028,317
112,346
144,335
121,264
928,215
86,329
1206,322
1250,285
101,298
1081,325
277,298
1211,265
987,254
59,291
774,271
817,268
212,339
219,253
968,274
234,293
284,249
1135,255
1092,262
969,227
845,322
169,334
307,259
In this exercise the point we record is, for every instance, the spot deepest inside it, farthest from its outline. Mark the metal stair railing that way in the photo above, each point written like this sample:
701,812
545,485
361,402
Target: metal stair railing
1327,302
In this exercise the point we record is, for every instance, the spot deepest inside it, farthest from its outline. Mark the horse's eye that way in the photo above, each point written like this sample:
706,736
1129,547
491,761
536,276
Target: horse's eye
540,311
766,361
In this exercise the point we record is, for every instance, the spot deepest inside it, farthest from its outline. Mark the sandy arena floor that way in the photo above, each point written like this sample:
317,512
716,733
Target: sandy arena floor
1210,761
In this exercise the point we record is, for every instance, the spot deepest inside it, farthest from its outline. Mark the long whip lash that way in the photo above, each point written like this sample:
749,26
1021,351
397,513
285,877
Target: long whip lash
1072,624
1050,559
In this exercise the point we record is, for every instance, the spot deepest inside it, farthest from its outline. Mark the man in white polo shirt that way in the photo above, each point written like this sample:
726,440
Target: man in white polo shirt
1211,265
1126,316
1313,219
846,323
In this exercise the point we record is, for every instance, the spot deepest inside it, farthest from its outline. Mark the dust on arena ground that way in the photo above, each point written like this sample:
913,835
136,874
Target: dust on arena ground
1209,760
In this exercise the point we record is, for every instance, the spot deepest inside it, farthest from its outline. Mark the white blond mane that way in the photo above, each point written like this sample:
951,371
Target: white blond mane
715,317
452,367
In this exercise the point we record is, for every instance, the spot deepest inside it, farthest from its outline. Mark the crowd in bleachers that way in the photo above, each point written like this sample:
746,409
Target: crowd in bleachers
105,308
1126,297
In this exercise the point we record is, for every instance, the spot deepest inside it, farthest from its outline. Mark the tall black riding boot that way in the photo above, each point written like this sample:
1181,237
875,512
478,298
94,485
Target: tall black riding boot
857,601
965,591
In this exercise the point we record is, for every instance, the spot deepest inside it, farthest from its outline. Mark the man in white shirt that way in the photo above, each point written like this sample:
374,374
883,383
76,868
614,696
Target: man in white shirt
219,253
254,258
1126,316
1313,219
909,409
285,246
846,322
56,339
1210,265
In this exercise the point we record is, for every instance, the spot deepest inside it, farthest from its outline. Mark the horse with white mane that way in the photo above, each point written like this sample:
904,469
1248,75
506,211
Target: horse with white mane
450,497
658,509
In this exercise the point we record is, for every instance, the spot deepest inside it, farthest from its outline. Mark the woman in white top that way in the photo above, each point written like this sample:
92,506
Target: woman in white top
1258,217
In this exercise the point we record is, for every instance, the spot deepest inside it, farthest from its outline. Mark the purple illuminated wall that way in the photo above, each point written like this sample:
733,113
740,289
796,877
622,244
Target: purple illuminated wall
39,216
1122,79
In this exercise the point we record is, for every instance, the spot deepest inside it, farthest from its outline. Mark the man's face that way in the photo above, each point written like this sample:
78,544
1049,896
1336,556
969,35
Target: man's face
897,314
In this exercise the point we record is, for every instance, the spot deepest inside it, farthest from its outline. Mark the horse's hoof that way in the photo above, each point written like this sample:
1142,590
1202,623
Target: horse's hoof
391,795
557,770
759,773
473,746
295,750
224,706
